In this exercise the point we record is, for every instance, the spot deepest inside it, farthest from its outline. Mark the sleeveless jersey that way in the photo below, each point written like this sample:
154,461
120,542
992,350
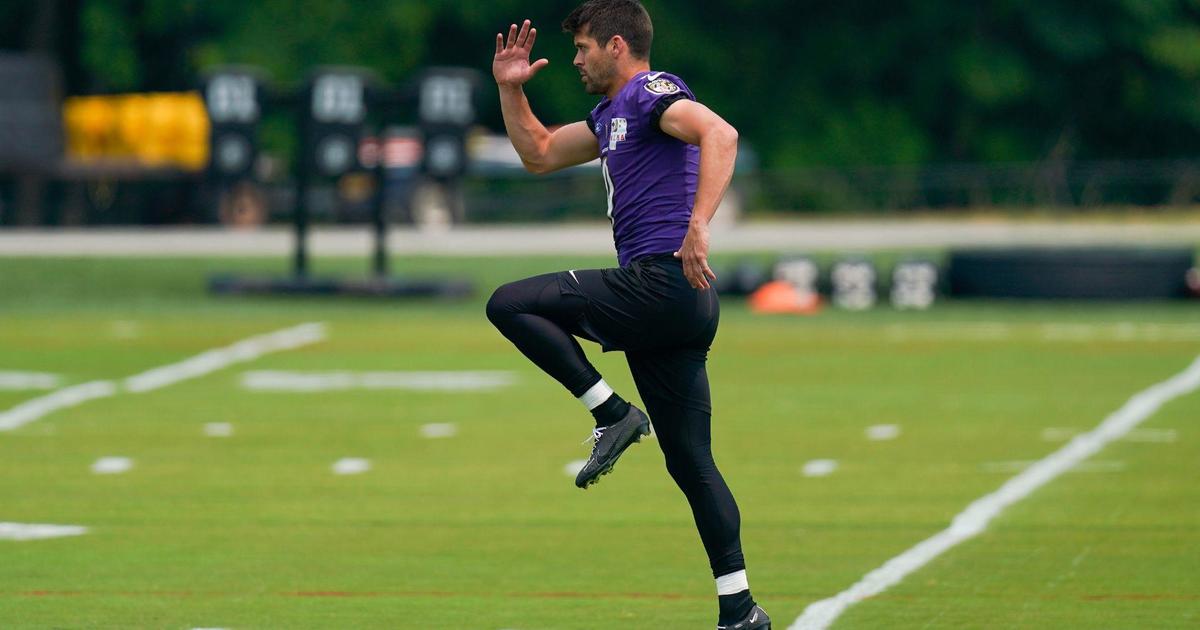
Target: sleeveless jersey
650,177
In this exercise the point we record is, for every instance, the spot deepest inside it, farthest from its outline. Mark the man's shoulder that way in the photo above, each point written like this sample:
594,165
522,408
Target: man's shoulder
662,83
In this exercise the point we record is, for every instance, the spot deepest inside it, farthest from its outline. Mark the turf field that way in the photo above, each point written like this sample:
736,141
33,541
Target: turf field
480,526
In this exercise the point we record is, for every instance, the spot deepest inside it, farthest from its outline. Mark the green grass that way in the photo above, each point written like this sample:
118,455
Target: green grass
484,530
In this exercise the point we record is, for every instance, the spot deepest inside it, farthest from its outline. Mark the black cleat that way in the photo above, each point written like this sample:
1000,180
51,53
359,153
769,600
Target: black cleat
610,442
756,620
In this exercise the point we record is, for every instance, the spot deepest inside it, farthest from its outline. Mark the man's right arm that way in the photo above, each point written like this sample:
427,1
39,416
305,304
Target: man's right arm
541,151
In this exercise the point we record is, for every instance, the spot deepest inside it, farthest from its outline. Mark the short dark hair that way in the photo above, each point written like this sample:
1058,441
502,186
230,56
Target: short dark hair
606,18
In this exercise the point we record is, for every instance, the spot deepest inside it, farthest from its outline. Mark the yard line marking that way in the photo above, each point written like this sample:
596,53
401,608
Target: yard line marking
285,381
11,380
213,360
218,429
351,466
112,465
975,518
1016,466
435,430
819,468
32,410
1162,436
38,531
880,432
573,467
199,365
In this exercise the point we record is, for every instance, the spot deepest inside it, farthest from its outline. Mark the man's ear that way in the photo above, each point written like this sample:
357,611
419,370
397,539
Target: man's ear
616,45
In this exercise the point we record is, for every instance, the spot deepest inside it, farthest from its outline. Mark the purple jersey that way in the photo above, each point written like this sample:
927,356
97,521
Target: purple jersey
650,176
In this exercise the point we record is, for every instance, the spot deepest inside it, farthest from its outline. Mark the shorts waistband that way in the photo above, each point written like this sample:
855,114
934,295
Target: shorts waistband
667,256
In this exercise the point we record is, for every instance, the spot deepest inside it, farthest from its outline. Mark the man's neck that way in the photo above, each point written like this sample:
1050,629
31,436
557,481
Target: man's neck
625,76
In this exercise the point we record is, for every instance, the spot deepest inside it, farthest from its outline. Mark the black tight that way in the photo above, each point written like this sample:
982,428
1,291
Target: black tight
536,318
665,340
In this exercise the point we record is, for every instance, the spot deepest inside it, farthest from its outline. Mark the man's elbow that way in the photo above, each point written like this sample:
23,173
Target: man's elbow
729,135
536,167
721,134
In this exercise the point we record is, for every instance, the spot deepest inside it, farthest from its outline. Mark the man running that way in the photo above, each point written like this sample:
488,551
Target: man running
666,161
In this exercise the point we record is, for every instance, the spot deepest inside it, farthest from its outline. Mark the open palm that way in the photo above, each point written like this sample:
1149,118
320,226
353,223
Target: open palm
511,65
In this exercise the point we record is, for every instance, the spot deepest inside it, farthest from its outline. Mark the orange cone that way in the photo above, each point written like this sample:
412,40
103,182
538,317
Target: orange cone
781,297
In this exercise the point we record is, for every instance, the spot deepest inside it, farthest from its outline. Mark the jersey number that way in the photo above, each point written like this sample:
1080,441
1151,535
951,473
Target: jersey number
608,185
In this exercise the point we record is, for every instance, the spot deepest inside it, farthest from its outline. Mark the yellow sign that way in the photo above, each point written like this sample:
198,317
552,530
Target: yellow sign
163,129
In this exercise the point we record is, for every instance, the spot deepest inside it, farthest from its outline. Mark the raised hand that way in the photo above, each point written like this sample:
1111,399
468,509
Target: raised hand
511,65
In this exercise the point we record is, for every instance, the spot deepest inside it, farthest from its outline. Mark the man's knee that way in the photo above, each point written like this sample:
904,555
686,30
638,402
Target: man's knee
689,467
504,301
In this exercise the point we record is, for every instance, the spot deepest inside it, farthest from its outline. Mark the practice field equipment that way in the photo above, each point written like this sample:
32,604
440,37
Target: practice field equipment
233,97
31,132
914,284
446,111
333,111
1071,273
854,283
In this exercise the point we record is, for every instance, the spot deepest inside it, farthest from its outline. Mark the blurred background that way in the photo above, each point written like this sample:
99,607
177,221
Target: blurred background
858,107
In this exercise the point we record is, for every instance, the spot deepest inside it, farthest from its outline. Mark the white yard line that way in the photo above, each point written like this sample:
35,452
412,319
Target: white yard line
199,365
32,410
213,360
975,518
283,381
38,531
10,380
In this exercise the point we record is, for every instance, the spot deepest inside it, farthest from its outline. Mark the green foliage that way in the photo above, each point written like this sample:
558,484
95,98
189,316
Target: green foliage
907,82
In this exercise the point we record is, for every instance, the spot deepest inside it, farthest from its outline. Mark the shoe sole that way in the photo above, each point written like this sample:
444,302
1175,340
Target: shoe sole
643,429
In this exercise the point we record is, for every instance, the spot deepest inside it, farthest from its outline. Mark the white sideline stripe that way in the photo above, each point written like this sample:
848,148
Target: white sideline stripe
32,410
284,381
10,380
199,365
213,360
38,531
975,518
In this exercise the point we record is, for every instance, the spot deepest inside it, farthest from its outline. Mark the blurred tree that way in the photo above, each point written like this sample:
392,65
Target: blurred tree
808,82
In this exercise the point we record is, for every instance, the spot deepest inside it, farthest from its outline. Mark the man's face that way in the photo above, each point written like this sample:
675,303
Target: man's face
596,67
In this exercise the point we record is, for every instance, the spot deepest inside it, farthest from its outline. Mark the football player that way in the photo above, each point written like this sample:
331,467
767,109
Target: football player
666,161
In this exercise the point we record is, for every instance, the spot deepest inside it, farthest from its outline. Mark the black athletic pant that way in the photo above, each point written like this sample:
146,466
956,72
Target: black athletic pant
665,327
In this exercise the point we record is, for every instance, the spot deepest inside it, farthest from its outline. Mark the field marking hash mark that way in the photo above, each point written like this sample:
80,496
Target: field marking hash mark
38,531
975,518
199,365
287,381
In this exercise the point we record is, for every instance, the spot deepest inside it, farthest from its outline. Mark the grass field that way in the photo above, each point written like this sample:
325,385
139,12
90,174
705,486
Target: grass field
484,529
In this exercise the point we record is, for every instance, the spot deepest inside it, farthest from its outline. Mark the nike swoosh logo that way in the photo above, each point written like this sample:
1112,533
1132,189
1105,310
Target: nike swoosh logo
651,77
572,272
755,617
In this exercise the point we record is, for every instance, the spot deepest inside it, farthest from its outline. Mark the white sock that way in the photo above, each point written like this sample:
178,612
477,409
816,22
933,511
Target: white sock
596,395
732,583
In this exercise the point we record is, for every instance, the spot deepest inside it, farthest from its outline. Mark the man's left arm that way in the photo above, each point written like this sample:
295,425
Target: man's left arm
696,124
